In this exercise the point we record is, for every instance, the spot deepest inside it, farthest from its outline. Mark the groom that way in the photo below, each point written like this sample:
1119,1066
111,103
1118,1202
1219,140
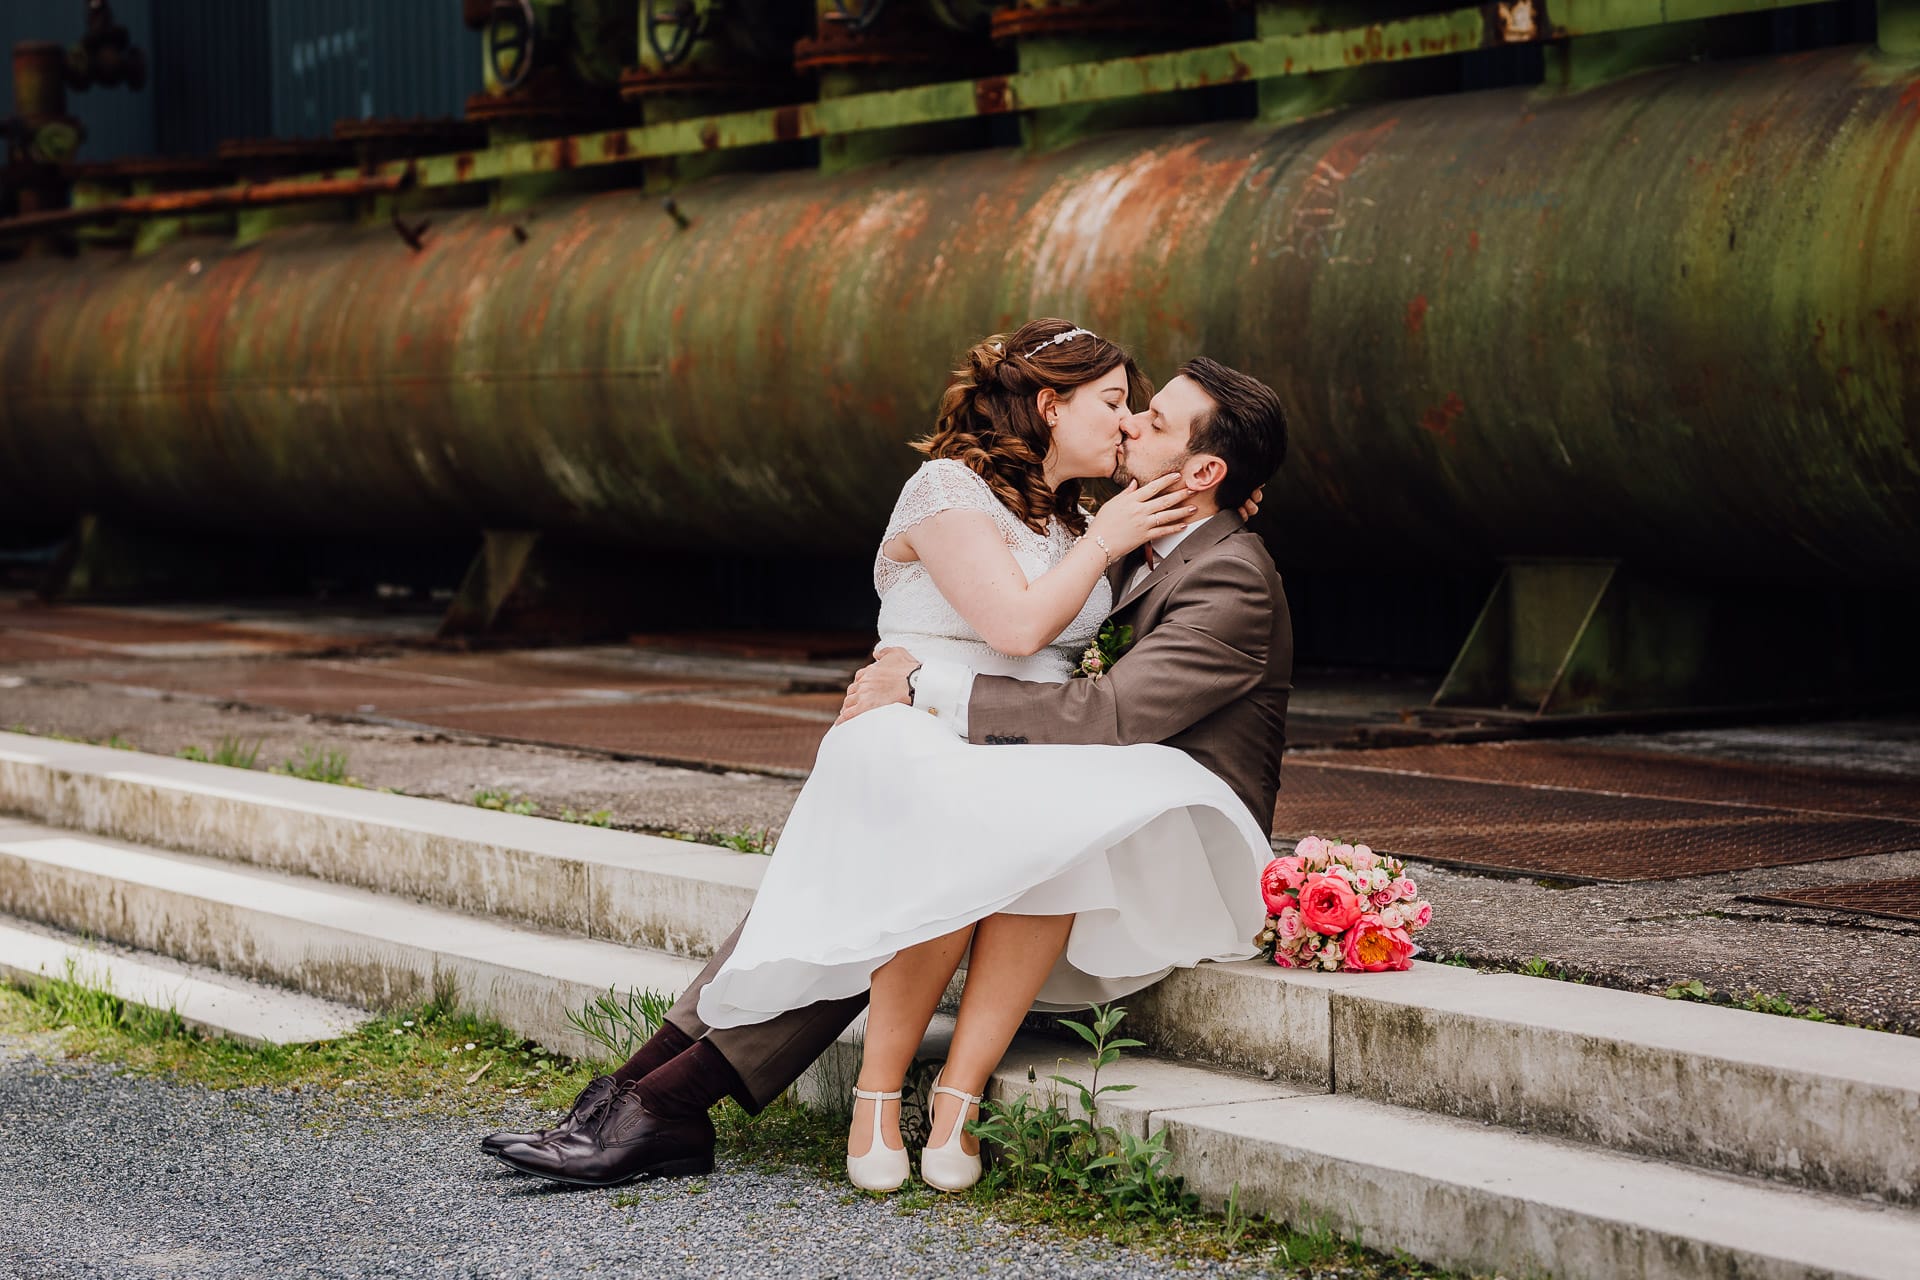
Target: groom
1208,671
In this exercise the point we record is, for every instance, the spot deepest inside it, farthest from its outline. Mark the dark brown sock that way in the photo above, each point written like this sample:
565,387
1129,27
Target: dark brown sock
664,1045
689,1084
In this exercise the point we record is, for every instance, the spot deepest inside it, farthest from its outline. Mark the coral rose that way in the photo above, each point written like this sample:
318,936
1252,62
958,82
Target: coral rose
1422,915
1327,905
1276,878
1374,948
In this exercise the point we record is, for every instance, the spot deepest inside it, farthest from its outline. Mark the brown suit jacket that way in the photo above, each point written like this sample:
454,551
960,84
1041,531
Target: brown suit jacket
1209,669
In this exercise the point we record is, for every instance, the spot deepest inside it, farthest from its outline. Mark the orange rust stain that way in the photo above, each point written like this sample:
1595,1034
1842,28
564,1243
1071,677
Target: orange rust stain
1241,71
990,95
617,144
568,153
786,123
1440,418
1417,313
1473,242
463,166
1910,97
710,137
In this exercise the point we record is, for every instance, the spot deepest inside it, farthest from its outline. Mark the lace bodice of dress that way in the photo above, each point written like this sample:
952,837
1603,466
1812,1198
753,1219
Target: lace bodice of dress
914,615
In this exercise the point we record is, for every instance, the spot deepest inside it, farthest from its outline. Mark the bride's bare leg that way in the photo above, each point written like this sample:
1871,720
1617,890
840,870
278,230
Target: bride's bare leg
906,991
1012,956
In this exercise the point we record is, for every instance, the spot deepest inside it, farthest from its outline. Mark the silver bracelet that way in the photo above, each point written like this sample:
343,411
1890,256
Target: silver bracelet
1105,550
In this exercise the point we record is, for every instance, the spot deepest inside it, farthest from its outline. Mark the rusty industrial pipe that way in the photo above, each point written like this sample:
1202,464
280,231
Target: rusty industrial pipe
1674,320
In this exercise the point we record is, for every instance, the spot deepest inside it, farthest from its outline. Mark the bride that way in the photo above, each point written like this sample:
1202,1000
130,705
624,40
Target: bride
1064,875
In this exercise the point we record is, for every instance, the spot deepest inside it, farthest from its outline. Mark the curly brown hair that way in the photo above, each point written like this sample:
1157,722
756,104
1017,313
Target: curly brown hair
990,419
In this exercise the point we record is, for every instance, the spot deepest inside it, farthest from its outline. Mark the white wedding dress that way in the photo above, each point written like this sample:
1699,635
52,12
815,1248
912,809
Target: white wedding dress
905,832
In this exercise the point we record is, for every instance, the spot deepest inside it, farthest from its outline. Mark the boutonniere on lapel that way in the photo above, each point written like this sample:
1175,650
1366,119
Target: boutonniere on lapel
1104,651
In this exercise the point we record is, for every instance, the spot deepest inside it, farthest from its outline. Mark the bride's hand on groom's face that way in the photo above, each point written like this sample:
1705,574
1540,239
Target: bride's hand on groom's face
880,685
1251,507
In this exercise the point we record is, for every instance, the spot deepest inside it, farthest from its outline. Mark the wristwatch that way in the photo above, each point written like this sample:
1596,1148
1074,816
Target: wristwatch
913,685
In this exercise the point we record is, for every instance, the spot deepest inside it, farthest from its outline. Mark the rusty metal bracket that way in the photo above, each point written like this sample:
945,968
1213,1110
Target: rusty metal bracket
414,235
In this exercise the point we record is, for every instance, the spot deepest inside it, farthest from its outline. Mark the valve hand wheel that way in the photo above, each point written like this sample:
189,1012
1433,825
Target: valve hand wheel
510,42
671,28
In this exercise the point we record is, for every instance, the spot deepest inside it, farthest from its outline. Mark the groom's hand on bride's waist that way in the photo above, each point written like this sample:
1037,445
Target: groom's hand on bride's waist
881,684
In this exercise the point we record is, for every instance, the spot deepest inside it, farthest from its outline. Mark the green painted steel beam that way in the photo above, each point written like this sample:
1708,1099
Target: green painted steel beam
1269,58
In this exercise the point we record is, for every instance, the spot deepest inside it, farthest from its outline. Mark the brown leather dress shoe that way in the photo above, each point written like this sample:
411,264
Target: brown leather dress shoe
629,1142
586,1109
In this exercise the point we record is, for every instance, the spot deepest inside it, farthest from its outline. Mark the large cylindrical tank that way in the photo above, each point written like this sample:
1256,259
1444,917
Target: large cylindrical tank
1675,319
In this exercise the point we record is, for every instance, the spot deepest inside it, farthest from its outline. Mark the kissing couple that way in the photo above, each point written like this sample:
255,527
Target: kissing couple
1006,783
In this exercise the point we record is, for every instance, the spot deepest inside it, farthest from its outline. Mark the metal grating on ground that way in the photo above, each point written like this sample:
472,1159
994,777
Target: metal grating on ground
1561,833
1667,774
695,733
1895,899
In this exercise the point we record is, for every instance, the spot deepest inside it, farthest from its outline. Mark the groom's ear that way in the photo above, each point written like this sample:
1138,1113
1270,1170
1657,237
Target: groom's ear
1205,473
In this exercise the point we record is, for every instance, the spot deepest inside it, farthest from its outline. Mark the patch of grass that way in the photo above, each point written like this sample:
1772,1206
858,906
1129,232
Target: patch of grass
231,752
442,1061
1752,1001
118,743
505,802
598,818
317,764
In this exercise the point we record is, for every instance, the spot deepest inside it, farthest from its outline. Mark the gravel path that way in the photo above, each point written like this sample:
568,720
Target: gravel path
118,1176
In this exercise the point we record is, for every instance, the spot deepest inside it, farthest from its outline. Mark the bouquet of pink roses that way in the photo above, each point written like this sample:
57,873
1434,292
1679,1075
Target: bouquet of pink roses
1335,906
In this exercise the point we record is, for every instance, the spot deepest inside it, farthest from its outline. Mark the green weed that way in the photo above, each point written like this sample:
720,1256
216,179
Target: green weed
317,765
231,752
621,1023
505,802
598,818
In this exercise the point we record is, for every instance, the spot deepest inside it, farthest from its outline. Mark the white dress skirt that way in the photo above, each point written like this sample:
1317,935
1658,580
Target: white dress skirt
906,832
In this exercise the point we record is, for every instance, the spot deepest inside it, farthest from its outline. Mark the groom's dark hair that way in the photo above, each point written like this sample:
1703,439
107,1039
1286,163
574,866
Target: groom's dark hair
1246,429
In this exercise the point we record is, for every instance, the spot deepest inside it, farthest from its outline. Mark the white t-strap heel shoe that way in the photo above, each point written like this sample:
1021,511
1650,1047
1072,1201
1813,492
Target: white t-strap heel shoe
883,1168
949,1167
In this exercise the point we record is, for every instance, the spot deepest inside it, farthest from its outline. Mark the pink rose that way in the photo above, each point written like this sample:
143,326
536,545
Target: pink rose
1308,847
1276,878
1327,905
1422,915
1374,948
1409,890
1385,898
1391,917
1280,958
1289,925
1364,858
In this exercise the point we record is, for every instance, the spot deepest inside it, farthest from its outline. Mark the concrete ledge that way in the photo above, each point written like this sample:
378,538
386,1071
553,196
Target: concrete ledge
667,895
341,943
210,1002
1485,1200
1828,1107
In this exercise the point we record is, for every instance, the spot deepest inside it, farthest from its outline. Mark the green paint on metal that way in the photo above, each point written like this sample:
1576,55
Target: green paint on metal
1900,26
1273,57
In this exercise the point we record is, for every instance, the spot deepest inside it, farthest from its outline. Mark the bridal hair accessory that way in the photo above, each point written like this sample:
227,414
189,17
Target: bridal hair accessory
1340,907
1059,338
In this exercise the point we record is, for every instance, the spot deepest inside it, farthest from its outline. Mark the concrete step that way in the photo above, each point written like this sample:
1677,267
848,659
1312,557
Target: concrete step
215,1003
334,941
1465,1195
1830,1108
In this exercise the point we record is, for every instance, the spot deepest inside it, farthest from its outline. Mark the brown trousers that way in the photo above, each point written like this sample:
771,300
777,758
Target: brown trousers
767,1056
